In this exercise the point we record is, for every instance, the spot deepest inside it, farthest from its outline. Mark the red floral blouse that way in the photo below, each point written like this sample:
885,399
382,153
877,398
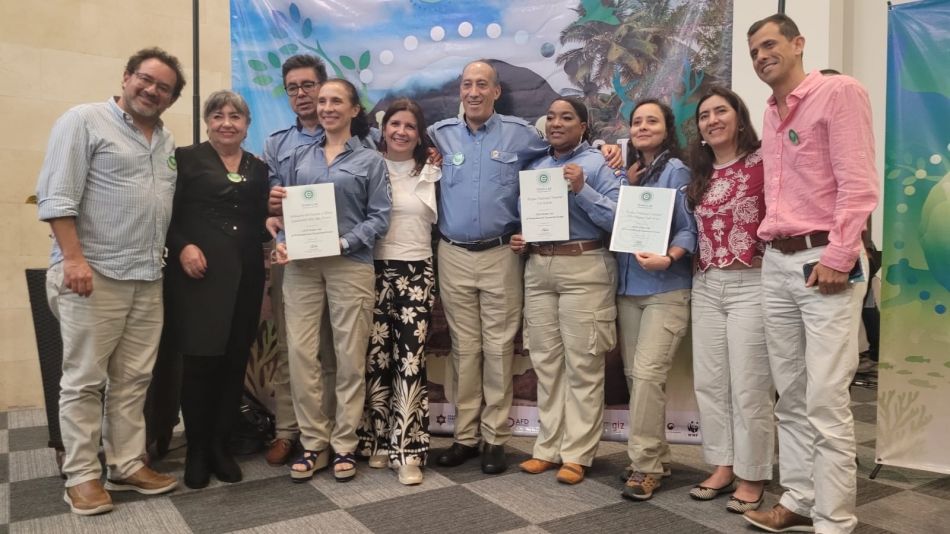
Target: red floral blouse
728,218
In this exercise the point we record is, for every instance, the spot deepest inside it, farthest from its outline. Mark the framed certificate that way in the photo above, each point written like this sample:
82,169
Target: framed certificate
310,223
642,223
544,205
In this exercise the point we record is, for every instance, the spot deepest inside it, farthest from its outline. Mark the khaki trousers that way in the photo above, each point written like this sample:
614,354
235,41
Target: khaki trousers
110,340
731,371
347,288
286,419
571,311
813,351
651,329
482,294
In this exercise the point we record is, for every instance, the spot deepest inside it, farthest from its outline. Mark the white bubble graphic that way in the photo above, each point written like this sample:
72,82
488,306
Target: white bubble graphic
366,76
521,37
465,29
493,31
935,159
920,173
437,33
386,57
411,43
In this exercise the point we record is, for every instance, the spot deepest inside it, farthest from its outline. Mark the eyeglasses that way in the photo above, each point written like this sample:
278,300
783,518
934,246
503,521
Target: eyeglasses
307,87
147,81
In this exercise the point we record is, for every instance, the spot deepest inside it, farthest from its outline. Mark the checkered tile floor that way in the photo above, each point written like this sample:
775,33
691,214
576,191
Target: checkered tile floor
460,500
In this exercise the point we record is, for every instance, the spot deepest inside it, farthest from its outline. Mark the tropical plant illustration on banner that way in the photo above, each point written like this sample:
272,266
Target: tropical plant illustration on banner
913,411
610,53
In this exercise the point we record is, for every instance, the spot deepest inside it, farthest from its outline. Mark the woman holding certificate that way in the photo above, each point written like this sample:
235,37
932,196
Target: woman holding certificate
570,289
394,430
214,282
653,298
343,276
730,362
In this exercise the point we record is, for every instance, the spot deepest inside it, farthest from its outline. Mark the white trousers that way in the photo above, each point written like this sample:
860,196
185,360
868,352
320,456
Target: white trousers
110,340
731,371
813,351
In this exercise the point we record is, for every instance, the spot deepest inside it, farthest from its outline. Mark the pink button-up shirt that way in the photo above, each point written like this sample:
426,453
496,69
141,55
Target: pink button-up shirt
819,166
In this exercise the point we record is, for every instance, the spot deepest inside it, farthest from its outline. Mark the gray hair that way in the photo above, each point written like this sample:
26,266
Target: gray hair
224,97
495,78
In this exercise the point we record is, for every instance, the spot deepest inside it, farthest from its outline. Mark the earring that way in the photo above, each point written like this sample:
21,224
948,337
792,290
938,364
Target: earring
742,129
702,142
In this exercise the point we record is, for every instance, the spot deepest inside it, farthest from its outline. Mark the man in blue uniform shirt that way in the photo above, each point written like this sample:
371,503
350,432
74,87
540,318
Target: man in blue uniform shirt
479,278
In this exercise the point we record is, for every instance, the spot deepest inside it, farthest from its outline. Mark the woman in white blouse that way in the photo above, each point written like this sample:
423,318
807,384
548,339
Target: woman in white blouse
394,430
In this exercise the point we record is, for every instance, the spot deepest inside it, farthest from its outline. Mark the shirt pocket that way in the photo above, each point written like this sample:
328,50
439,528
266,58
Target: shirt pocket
504,168
812,149
351,179
451,173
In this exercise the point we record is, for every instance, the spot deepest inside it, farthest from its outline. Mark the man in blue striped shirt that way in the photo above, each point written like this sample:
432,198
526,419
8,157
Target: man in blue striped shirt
106,189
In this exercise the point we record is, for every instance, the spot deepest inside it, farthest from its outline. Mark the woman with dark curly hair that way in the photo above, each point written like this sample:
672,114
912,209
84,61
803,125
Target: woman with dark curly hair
653,298
345,282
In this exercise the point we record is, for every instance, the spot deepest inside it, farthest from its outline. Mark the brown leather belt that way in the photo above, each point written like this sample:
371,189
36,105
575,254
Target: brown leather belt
791,245
566,249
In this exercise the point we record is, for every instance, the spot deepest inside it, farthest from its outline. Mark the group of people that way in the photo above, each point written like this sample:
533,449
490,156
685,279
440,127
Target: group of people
749,218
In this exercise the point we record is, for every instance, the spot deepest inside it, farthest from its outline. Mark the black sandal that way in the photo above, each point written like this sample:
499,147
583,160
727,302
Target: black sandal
344,458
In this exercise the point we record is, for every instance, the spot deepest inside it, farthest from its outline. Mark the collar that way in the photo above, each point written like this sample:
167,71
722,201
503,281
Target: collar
300,128
813,80
584,145
120,113
489,124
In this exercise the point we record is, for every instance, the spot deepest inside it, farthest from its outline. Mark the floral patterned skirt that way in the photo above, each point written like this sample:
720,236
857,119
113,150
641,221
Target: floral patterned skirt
396,412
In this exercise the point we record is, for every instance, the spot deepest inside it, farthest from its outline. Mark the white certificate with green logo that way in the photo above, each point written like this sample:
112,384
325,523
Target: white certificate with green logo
310,222
544,206
643,220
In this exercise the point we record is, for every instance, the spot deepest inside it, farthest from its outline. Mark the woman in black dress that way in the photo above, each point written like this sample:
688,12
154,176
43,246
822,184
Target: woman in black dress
215,281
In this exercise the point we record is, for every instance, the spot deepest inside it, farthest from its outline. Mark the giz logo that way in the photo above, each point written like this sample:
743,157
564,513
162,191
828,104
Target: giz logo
615,426
308,194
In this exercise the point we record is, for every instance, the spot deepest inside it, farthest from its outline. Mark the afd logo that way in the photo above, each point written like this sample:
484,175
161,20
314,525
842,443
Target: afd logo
308,194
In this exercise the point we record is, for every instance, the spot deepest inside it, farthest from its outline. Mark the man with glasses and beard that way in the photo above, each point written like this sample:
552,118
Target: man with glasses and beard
106,189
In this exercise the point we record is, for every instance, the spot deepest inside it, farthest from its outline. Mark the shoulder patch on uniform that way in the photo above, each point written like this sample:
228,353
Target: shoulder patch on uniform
677,163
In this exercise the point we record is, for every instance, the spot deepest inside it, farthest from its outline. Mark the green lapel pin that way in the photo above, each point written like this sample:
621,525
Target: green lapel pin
793,135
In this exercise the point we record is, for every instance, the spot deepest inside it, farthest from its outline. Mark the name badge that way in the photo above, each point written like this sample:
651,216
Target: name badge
458,158
172,163
235,177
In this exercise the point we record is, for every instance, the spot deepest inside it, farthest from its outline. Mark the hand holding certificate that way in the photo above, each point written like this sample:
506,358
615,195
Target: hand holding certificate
544,212
644,217
310,222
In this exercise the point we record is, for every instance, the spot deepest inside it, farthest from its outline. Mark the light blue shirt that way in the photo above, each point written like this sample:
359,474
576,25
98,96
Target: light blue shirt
362,192
590,212
480,189
634,280
280,146
100,169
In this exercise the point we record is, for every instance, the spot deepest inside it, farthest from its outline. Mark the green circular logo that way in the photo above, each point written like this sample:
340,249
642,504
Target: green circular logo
172,163
235,177
308,194
646,196
543,178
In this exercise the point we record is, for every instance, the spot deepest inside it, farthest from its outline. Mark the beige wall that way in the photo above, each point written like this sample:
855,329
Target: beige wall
55,54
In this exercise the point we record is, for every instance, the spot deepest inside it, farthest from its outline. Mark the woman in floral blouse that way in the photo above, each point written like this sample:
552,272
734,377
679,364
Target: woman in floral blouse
730,363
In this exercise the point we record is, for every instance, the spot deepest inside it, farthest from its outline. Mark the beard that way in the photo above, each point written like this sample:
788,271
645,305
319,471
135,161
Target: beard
144,111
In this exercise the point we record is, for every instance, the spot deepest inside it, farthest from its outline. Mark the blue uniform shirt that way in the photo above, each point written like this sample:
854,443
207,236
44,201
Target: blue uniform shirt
363,194
590,212
634,280
281,144
479,191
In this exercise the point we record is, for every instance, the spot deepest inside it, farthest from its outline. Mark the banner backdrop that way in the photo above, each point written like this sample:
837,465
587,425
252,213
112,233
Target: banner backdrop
611,53
914,388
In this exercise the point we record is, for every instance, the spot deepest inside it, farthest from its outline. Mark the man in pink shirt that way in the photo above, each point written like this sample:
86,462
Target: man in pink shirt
820,187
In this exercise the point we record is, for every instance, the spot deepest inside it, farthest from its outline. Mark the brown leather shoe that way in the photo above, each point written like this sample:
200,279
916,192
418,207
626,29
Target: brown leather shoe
535,466
780,519
144,481
88,498
278,453
570,473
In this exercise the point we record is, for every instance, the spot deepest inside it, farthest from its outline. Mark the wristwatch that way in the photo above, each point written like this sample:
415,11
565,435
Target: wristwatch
672,259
